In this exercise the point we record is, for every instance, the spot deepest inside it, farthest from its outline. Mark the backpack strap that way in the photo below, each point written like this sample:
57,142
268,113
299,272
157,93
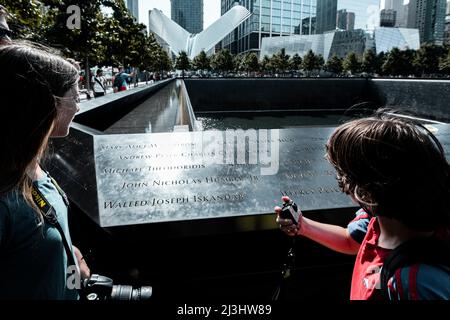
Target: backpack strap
431,251
412,280
98,81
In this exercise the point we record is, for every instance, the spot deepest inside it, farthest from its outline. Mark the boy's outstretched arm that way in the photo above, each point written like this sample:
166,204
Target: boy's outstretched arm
331,236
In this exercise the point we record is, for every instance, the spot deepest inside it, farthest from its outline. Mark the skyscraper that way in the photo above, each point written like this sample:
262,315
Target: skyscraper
270,18
366,13
401,16
429,17
345,20
388,18
133,7
188,14
447,24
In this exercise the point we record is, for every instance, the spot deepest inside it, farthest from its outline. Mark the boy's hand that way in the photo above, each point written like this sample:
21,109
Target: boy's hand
287,225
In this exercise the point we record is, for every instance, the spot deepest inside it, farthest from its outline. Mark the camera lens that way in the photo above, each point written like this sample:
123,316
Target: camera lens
145,292
120,292
123,292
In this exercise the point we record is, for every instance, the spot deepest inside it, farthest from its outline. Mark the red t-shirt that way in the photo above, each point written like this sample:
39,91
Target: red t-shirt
418,281
370,259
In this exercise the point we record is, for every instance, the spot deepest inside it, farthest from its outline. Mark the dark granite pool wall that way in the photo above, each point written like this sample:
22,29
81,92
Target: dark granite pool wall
103,112
71,163
270,94
427,98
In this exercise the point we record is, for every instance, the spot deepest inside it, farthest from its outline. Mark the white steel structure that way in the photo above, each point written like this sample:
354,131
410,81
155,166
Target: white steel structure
181,40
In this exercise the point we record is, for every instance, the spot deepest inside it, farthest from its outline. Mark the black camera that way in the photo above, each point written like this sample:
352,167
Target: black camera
290,211
99,287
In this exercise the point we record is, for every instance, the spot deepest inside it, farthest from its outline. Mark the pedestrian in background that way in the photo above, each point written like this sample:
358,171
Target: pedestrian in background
120,80
99,82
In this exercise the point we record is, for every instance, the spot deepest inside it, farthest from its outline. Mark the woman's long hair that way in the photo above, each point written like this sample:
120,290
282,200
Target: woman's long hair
31,79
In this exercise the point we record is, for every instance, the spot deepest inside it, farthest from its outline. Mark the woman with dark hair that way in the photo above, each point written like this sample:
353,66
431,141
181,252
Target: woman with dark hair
396,171
39,93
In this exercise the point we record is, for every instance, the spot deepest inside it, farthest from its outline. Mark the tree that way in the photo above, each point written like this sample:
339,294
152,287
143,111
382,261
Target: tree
334,65
266,65
296,62
150,53
86,43
27,18
201,62
351,63
444,64
281,61
369,62
222,61
309,62
320,62
165,61
250,62
160,61
238,62
182,62
381,58
398,63
102,39
427,58
130,36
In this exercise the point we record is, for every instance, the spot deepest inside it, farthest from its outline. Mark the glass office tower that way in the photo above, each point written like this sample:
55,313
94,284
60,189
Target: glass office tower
366,14
447,24
269,18
429,17
401,10
188,14
133,6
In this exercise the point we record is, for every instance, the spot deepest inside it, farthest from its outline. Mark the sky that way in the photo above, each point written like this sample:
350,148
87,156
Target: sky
211,10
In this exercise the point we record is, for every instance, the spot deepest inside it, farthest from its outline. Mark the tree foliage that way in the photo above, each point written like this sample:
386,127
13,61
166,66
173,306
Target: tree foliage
296,62
183,62
115,39
320,62
201,62
311,62
427,58
399,63
351,63
280,61
444,64
222,61
369,62
27,18
266,64
250,62
334,65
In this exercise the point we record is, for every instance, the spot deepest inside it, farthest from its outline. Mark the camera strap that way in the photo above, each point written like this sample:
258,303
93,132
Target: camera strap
286,273
49,214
